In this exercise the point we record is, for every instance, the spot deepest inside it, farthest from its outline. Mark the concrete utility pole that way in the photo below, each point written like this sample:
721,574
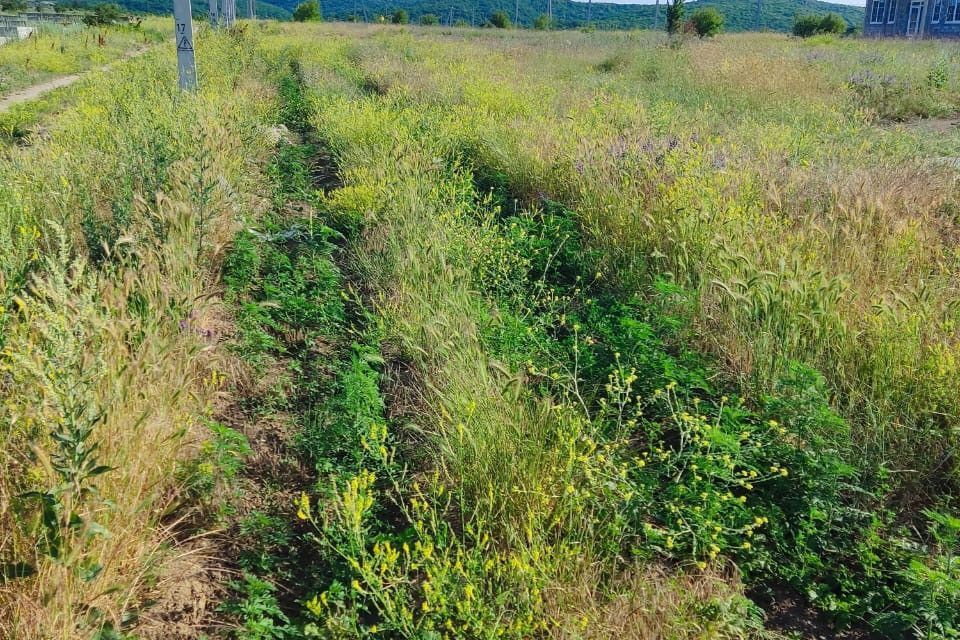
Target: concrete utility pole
214,18
656,16
550,12
758,15
589,11
516,13
252,9
183,32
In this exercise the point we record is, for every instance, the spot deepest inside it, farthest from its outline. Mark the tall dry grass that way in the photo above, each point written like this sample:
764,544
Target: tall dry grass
754,172
116,224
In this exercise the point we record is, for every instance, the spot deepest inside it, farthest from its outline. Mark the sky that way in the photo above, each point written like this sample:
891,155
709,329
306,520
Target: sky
852,3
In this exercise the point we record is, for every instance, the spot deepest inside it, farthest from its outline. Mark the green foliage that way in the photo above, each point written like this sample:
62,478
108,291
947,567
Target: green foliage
429,20
308,11
833,23
218,462
807,25
331,435
65,525
675,13
400,16
500,20
104,14
707,22
265,540
939,74
777,15
258,611
542,23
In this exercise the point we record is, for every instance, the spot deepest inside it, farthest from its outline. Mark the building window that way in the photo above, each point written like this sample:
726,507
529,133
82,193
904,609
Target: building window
952,14
937,10
892,15
876,14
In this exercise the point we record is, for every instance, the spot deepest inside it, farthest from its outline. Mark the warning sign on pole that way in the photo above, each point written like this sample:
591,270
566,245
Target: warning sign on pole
183,31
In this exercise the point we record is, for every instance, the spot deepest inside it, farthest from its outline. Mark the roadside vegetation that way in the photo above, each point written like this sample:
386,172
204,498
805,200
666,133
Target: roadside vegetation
613,339
55,50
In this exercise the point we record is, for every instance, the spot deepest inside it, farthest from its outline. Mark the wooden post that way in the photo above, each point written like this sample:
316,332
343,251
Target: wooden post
183,30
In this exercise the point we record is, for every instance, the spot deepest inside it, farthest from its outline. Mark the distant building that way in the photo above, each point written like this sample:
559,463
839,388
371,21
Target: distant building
912,19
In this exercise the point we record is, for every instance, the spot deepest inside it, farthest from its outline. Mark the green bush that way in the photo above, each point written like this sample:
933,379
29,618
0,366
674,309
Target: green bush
500,20
429,20
104,14
810,25
400,16
707,22
308,11
833,23
543,22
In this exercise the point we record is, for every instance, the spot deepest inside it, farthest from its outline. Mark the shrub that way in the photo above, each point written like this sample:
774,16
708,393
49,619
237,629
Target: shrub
809,25
675,11
308,11
833,23
806,26
707,22
500,20
400,16
104,14
460,22
543,22
429,20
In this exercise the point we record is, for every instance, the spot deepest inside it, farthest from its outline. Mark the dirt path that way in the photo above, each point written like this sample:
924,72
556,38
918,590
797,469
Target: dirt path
35,91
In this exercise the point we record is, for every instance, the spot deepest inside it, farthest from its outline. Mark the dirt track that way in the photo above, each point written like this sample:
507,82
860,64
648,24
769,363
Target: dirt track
35,91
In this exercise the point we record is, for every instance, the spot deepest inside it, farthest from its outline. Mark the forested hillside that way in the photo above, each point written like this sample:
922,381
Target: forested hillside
740,15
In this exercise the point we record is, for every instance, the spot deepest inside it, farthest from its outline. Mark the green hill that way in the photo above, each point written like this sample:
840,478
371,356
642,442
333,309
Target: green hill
740,15
264,9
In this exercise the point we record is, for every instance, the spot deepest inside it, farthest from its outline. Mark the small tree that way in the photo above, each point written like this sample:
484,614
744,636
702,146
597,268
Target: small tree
429,20
808,25
104,14
400,16
805,26
707,22
542,23
308,11
500,20
460,23
675,11
833,23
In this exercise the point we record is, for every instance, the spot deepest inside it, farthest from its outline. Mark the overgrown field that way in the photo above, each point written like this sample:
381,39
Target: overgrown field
55,50
459,334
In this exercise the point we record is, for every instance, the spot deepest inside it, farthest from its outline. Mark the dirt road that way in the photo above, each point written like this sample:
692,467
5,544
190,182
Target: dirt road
35,91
